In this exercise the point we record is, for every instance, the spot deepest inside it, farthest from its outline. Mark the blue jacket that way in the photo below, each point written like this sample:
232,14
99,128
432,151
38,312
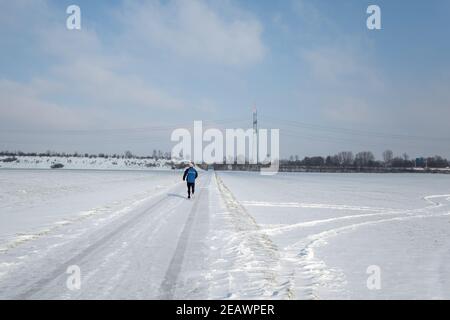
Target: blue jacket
190,174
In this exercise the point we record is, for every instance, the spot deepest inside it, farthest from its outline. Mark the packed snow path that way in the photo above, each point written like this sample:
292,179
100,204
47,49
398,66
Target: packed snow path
243,236
163,246
136,255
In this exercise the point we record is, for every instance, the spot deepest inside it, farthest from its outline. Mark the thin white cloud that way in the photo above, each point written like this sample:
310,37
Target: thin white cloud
106,87
343,64
194,29
83,78
340,68
22,107
348,109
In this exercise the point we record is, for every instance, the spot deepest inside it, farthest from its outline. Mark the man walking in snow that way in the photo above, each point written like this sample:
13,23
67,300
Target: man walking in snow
190,174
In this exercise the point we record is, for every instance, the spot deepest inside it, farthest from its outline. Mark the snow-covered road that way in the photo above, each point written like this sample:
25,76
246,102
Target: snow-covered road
139,253
134,235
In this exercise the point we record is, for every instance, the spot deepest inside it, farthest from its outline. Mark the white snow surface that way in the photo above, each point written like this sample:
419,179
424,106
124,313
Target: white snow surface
134,235
329,228
45,162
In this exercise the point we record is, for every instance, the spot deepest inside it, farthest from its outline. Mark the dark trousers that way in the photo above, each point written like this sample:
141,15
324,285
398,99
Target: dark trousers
191,186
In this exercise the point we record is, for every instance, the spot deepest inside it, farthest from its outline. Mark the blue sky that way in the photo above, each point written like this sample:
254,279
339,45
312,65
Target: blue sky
137,69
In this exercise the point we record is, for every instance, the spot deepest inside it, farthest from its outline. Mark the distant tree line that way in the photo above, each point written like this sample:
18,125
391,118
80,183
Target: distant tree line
341,160
366,159
157,154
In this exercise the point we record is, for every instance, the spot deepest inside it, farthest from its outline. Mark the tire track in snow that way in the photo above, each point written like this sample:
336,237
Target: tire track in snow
23,238
168,286
125,250
34,288
310,205
379,212
413,213
256,257
317,272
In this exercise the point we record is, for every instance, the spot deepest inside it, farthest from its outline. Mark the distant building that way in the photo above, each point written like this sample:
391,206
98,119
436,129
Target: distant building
421,162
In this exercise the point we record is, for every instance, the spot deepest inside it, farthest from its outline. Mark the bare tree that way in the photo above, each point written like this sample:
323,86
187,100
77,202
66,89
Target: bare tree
345,158
388,155
364,158
332,161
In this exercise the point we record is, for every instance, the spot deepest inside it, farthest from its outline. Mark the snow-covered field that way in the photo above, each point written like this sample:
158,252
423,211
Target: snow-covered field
330,228
36,201
133,234
45,162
